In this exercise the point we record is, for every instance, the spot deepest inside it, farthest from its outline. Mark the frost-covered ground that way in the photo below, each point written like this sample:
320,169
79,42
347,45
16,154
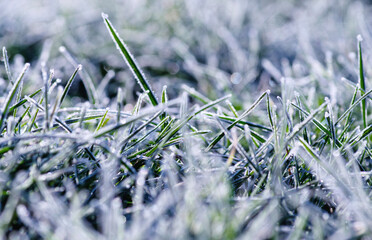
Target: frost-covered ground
262,131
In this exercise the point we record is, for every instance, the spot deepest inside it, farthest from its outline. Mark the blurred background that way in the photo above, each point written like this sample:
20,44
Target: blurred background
218,47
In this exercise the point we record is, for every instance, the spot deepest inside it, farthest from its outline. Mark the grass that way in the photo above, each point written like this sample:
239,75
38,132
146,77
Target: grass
292,163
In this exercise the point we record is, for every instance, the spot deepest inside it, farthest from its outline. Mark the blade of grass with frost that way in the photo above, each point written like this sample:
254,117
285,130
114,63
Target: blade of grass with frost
164,96
348,123
83,112
46,98
362,81
119,105
364,96
194,129
6,64
233,110
350,137
345,130
47,91
101,122
329,118
221,134
137,72
69,83
302,124
285,109
135,111
366,131
18,97
83,118
23,101
269,111
39,107
254,134
305,134
164,99
11,95
84,75
18,124
242,122
251,142
164,130
57,104
130,120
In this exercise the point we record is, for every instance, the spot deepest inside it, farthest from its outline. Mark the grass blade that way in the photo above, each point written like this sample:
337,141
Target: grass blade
46,98
119,100
362,81
364,96
69,83
130,61
84,75
6,63
11,96
298,127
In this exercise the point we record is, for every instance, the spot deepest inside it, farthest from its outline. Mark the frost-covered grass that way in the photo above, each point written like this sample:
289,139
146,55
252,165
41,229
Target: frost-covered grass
210,125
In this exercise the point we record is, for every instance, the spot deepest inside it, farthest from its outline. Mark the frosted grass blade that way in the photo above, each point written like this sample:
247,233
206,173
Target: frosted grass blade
69,83
130,61
362,81
6,63
11,96
364,96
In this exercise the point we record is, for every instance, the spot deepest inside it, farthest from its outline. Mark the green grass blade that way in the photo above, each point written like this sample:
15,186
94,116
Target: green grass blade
101,122
242,122
364,96
11,95
298,127
7,67
69,83
23,101
305,134
55,106
269,111
164,96
119,105
232,108
130,61
84,75
362,81
46,98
